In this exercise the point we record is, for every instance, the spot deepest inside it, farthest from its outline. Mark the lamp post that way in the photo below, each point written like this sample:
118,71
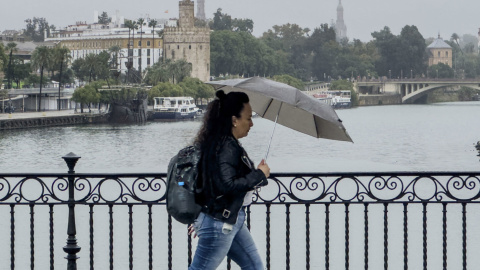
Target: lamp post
437,74
411,73
390,73
71,248
401,74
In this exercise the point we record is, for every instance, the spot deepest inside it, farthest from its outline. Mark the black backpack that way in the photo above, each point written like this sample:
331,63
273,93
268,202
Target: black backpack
182,175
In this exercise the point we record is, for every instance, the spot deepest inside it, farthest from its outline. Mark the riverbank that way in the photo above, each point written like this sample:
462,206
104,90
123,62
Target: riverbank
49,118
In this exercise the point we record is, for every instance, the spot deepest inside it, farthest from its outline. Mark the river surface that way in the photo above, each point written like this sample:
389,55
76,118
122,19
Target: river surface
434,137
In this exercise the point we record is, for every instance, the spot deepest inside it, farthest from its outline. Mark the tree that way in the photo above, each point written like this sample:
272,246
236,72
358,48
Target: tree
413,52
221,21
86,95
21,72
104,19
242,25
40,60
325,50
173,71
140,22
166,89
153,23
11,46
440,70
195,88
37,29
292,81
61,56
402,53
242,53
132,26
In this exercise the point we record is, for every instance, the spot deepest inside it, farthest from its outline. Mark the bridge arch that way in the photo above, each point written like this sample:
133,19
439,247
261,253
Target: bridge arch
411,92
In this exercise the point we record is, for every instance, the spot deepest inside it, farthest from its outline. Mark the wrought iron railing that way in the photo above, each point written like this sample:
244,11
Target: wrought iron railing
395,220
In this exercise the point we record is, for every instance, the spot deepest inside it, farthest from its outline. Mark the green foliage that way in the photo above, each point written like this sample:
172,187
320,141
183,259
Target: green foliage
168,71
195,88
440,71
36,27
3,57
32,80
92,67
221,21
341,85
21,72
292,81
86,95
242,53
104,19
165,89
467,94
400,54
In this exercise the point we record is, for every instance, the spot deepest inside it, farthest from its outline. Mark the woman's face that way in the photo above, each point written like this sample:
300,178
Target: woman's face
242,124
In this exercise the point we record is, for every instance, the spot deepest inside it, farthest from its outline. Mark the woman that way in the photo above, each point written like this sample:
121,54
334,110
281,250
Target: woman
228,181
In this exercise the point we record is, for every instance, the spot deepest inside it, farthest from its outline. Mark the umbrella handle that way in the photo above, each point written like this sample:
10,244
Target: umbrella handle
273,131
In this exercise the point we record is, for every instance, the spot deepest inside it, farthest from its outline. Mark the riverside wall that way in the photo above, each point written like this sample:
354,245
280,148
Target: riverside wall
372,100
34,120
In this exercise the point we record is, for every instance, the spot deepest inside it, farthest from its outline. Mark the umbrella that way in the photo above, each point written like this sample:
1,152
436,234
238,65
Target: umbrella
288,106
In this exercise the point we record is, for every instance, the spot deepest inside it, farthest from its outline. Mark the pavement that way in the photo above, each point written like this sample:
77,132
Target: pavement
26,115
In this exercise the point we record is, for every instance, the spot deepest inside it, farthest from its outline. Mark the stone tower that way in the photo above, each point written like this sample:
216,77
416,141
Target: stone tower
189,42
340,27
186,16
201,10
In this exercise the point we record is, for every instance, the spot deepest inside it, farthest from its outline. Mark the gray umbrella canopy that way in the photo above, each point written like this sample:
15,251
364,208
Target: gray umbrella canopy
294,109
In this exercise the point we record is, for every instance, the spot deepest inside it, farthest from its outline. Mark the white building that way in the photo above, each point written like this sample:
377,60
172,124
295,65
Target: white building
83,39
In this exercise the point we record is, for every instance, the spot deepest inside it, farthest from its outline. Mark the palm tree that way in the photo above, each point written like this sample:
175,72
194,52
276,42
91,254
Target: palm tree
153,23
11,46
60,56
41,60
115,52
140,22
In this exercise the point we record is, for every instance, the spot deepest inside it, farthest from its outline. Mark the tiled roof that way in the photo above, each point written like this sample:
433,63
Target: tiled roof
439,44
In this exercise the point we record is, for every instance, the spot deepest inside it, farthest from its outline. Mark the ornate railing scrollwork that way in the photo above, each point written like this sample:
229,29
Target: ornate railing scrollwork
283,188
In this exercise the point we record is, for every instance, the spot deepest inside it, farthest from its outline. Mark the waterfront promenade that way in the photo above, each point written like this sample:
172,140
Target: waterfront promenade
27,115
22,120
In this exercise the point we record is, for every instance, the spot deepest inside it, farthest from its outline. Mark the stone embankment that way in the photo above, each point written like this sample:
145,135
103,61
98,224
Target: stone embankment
48,119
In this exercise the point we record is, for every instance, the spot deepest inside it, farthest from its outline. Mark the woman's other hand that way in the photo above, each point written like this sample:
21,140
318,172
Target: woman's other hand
264,168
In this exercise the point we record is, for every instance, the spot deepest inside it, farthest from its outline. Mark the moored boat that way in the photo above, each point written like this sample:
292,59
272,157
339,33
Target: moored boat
338,99
174,108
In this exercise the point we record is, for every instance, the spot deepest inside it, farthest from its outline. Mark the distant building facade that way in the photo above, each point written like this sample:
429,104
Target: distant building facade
83,39
189,42
439,52
181,40
340,27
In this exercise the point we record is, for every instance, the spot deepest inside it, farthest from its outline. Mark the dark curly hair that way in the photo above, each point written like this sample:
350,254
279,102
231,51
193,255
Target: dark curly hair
217,124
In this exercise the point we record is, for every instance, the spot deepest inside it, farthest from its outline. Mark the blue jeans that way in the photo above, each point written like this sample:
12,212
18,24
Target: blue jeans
217,241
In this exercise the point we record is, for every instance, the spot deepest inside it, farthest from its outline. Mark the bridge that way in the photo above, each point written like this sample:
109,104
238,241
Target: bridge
413,89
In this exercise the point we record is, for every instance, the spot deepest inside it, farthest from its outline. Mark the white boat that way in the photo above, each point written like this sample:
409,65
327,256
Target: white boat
174,108
336,98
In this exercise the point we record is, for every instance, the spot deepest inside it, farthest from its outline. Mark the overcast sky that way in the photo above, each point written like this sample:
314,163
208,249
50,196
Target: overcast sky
362,17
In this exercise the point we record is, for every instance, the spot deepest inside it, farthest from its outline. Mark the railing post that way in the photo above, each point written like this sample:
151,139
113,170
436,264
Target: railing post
71,248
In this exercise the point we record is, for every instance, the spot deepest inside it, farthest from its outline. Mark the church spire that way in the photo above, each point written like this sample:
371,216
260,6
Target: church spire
340,27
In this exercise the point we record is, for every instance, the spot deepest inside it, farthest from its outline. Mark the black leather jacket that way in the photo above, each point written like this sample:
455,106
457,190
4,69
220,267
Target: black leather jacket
235,175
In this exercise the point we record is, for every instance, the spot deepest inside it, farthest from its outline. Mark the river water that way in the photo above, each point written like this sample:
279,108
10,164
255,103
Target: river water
434,137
